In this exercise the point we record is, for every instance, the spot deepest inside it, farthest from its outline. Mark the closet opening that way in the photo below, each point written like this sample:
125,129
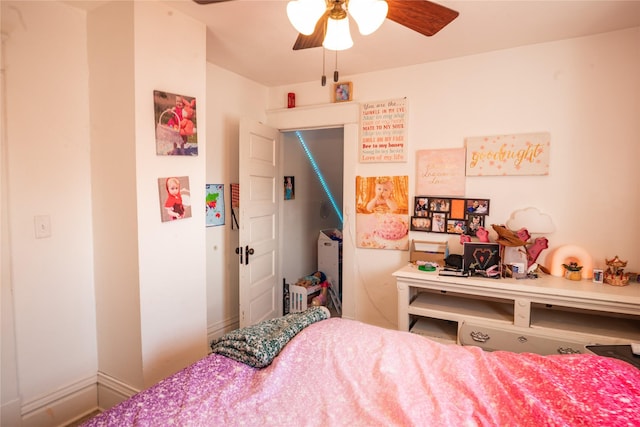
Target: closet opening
312,213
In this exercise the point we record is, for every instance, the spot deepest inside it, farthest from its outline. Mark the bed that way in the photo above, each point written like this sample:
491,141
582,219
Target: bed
339,372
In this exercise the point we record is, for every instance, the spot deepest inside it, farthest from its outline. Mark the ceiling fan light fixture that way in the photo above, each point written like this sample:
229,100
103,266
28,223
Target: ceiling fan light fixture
368,14
304,14
338,36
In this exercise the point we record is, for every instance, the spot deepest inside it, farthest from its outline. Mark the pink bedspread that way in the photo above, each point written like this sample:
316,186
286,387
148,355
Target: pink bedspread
345,373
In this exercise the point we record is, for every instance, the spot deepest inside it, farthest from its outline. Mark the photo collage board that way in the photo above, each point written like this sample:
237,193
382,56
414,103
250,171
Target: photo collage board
449,215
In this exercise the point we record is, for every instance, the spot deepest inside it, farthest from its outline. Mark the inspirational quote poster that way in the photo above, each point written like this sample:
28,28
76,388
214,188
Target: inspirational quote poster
441,172
383,131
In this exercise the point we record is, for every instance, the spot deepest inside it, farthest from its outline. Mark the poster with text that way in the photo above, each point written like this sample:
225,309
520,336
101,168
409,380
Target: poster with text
383,131
520,154
440,172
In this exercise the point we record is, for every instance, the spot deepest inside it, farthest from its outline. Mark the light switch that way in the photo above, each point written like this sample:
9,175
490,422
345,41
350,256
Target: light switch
42,224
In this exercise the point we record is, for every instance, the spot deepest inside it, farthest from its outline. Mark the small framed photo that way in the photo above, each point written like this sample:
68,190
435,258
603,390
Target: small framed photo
439,205
478,206
420,223
342,91
598,275
289,188
421,206
456,226
474,223
439,223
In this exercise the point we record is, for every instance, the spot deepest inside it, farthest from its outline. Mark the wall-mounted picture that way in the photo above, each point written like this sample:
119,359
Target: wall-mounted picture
342,92
175,198
215,205
452,215
440,172
456,226
382,212
420,223
439,223
176,124
421,206
520,154
289,188
474,222
478,206
439,205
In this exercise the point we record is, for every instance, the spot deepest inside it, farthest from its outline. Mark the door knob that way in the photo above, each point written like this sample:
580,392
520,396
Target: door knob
239,252
248,251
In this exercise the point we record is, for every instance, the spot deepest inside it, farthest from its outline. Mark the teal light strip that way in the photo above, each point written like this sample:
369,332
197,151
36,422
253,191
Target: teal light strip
323,183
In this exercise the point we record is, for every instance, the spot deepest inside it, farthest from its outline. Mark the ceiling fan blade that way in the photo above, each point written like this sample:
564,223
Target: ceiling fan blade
422,16
209,1
316,38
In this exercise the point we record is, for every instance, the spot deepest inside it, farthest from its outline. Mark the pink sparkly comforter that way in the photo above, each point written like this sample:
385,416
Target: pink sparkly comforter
339,372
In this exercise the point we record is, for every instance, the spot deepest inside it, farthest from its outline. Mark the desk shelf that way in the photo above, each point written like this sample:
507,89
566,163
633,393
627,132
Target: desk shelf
547,314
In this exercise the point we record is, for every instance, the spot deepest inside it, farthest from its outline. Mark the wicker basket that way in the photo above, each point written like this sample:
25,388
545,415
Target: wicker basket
167,138
616,280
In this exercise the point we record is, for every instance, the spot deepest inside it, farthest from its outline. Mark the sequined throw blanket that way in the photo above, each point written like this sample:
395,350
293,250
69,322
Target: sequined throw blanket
259,344
340,372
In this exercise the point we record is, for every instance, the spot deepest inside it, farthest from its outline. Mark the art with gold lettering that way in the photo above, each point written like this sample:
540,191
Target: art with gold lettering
517,154
383,131
440,172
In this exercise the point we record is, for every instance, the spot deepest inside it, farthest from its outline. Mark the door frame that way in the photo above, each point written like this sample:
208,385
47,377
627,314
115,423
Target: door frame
330,116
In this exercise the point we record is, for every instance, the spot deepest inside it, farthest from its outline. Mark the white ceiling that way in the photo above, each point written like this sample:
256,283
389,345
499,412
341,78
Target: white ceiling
254,38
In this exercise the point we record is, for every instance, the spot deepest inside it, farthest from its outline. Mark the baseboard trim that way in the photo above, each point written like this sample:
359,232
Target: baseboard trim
62,406
112,391
94,392
10,413
218,329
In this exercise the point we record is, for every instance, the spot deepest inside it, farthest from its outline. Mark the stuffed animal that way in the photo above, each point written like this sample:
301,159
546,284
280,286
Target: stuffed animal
313,279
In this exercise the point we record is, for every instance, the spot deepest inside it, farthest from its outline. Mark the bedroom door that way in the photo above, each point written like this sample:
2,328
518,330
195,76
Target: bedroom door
258,251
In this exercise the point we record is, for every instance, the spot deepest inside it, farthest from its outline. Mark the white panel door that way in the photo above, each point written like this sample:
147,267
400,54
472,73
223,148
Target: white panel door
260,194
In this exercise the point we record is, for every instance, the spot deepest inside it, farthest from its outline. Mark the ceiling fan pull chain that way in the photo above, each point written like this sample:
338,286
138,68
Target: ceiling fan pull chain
323,81
335,73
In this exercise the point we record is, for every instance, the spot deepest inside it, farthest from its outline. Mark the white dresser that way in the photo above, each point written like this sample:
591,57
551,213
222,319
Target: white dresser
548,315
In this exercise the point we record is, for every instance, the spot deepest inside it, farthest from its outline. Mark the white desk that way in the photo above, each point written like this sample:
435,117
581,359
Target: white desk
546,315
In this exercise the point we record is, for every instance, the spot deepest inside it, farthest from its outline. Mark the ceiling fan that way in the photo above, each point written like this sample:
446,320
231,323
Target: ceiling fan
423,16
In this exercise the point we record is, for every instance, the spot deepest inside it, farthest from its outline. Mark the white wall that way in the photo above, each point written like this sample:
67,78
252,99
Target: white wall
51,155
47,129
171,255
230,97
583,91
116,263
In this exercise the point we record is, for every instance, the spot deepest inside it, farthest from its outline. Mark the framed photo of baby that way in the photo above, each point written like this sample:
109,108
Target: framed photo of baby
420,223
175,198
382,208
176,124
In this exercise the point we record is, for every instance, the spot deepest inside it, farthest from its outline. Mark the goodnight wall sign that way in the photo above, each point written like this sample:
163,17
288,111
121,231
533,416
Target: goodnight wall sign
520,154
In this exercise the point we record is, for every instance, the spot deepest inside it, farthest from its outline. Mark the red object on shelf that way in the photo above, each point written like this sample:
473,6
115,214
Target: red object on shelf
291,100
